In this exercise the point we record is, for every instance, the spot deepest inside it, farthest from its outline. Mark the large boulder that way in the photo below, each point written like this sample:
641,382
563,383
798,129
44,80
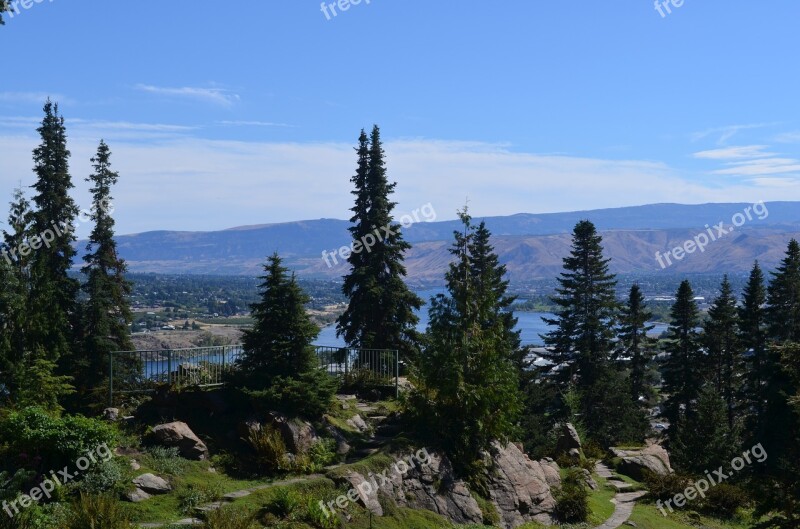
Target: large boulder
298,435
568,438
520,487
634,463
152,484
178,434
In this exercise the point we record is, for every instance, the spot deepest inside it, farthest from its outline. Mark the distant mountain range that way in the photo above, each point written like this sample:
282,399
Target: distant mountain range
531,245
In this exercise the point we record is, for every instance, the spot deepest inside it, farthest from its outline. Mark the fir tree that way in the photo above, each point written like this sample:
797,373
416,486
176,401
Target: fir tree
724,349
470,392
279,344
582,340
784,298
635,346
752,334
381,310
106,312
684,367
53,292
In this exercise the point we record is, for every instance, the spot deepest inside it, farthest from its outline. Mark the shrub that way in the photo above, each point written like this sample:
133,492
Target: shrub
309,395
665,486
270,449
572,499
229,518
165,460
284,502
321,454
56,441
192,496
98,512
724,500
317,517
103,477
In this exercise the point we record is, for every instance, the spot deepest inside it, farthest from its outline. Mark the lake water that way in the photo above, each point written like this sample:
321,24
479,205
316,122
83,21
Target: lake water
529,324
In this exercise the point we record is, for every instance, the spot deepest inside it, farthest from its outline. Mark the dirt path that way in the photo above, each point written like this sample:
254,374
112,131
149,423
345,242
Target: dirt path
624,501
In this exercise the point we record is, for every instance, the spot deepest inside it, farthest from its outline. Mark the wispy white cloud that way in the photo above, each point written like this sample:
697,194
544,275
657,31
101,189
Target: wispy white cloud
253,124
723,134
32,97
218,96
788,137
733,153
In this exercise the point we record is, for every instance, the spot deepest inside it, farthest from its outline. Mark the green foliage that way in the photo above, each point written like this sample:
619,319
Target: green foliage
42,387
308,395
98,512
165,460
724,501
318,518
611,417
270,449
635,346
103,477
284,503
380,313
665,486
229,517
191,496
58,441
572,498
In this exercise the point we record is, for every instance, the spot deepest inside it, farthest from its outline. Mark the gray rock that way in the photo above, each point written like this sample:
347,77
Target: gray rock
552,472
568,438
111,414
135,465
178,434
137,495
653,458
357,422
152,484
342,446
587,478
298,435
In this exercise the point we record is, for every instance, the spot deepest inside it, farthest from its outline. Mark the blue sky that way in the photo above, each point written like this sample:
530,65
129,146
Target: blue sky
231,113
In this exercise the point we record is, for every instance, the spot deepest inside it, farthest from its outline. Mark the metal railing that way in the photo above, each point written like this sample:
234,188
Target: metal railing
144,371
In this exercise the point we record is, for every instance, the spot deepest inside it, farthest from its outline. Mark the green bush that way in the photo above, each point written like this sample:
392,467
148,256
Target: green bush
318,518
270,450
724,500
284,502
57,441
192,496
104,477
309,395
666,486
98,512
166,460
229,518
572,499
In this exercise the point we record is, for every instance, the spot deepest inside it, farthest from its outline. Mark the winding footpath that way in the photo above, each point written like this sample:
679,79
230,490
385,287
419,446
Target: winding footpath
624,501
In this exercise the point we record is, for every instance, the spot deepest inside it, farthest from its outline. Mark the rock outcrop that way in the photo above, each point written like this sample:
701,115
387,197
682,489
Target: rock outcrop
298,435
568,438
519,488
152,484
634,463
178,434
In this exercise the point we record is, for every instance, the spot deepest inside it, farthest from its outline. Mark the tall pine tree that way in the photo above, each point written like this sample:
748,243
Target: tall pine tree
725,355
381,310
106,312
684,368
752,334
635,348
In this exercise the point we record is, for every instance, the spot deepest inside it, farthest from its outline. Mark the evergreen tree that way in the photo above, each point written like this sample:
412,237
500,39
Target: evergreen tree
783,313
582,340
279,344
380,313
752,334
684,368
106,312
635,346
469,394
725,350
705,441
53,292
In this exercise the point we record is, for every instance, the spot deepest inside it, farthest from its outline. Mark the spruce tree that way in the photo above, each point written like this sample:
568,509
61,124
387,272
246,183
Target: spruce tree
106,312
53,293
469,394
752,335
636,349
783,311
582,340
279,344
381,309
684,368
725,356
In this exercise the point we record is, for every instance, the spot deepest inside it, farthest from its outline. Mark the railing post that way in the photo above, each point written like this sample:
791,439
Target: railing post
169,367
397,374
110,379
222,373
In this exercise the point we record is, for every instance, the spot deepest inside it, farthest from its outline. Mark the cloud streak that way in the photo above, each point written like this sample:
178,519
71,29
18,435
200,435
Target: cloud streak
217,96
